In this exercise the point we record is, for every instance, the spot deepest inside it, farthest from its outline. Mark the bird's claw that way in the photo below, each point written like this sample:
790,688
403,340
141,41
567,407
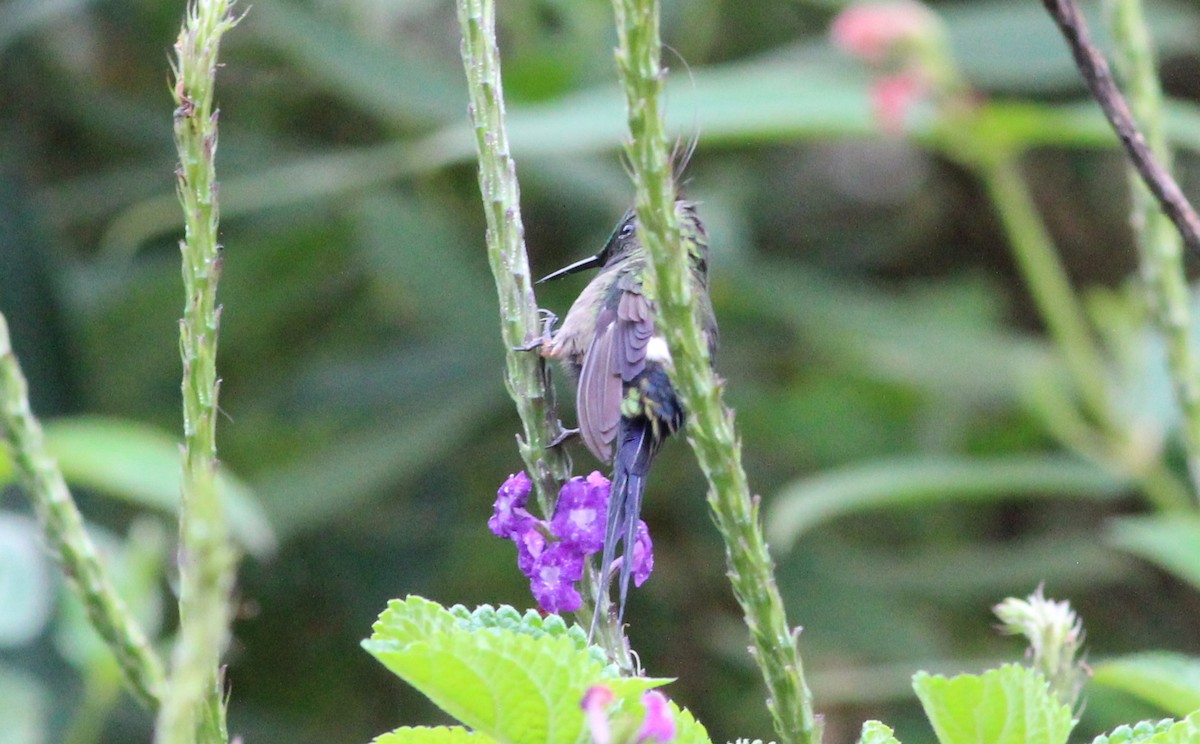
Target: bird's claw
549,319
562,437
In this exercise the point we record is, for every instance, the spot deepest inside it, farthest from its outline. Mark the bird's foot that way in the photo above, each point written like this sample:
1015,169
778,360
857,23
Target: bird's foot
562,437
549,319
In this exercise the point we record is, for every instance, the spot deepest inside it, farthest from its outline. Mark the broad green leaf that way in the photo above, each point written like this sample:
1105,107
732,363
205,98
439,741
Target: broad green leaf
1170,541
396,82
509,685
1167,731
874,732
432,735
804,504
1009,705
142,464
1170,681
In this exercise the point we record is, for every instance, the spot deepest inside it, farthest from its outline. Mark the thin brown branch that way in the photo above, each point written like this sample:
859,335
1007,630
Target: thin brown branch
1099,80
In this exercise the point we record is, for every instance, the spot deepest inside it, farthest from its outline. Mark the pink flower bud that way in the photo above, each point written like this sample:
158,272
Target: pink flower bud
893,96
872,31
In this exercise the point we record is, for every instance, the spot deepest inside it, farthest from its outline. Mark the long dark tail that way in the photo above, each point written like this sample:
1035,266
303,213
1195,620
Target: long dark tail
636,451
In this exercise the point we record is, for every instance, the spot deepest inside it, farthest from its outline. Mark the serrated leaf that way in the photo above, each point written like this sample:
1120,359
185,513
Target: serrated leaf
1139,732
1166,731
874,732
1186,731
1009,705
432,735
512,686
687,729
1170,541
1170,681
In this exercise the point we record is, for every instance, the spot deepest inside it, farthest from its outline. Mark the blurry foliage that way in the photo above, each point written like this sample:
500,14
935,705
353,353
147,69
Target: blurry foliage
873,325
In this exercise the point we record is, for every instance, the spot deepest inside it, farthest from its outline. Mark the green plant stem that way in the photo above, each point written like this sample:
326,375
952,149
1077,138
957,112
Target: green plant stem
1047,280
1067,323
192,708
710,424
1160,248
62,527
527,375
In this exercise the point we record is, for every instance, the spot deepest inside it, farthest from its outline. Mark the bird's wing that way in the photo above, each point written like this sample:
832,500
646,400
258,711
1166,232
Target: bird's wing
615,357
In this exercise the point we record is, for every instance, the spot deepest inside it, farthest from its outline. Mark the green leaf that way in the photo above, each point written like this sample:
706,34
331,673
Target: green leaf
1009,705
510,685
432,735
1170,681
1166,731
1172,541
874,732
396,82
1139,732
913,481
687,729
142,464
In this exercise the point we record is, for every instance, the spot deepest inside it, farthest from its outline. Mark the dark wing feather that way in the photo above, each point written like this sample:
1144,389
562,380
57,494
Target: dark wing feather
598,399
615,357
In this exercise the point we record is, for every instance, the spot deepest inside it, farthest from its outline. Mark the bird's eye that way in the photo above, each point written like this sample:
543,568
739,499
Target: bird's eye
626,230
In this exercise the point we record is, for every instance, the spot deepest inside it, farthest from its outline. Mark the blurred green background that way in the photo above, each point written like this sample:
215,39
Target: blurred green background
874,327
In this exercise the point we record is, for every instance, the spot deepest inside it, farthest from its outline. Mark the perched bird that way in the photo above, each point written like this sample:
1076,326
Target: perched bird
610,341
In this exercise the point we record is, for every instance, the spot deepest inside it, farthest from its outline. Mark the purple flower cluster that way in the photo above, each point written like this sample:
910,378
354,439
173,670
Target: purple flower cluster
553,554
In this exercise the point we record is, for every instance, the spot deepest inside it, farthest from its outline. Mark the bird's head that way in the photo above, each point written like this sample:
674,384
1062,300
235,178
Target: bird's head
624,242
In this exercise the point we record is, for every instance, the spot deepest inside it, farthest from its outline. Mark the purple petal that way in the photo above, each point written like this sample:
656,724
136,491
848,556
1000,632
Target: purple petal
643,555
581,513
509,517
553,578
659,724
530,545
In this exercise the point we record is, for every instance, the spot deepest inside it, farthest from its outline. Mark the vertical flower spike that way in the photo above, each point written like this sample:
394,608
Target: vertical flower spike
193,701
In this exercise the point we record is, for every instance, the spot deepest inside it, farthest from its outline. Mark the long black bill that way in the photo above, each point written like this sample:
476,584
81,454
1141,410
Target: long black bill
584,265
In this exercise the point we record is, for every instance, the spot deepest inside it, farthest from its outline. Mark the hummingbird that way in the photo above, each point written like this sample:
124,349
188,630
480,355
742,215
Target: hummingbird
611,343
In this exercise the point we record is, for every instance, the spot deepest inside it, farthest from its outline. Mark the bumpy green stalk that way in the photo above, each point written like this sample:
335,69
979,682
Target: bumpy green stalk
710,424
1160,247
64,533
527,376
192,708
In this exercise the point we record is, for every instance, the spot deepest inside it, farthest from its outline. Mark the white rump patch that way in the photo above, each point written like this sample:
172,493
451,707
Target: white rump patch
657,351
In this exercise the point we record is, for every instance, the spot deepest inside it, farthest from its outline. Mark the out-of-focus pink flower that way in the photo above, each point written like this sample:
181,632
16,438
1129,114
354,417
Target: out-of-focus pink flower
871,31
659,724
595,708
893,96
